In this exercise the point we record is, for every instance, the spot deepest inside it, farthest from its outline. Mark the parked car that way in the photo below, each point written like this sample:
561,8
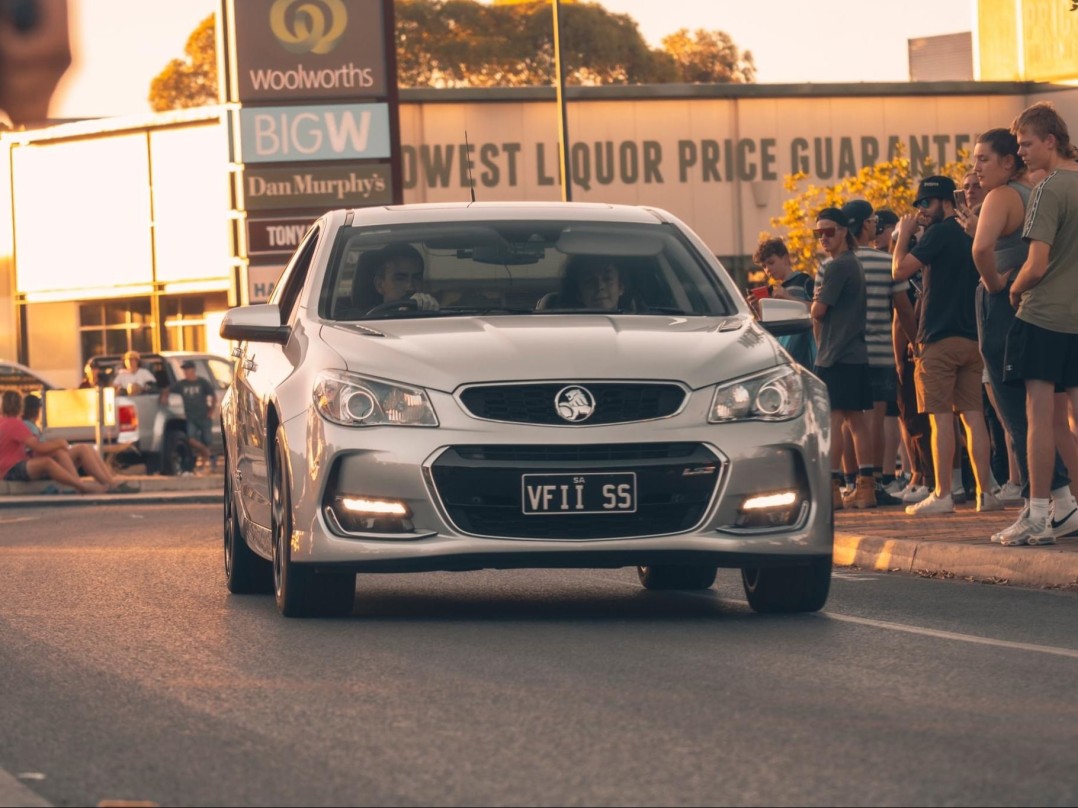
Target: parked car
162,430
509,425
113,439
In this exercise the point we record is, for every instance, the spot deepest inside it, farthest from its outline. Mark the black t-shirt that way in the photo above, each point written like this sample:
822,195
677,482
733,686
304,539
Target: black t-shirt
950,283
196,395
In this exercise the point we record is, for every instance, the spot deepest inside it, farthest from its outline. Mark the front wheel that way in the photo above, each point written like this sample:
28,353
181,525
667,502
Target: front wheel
300,591
779,590
246,573
677,576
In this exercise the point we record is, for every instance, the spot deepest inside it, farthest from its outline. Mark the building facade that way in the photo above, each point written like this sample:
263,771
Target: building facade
125,233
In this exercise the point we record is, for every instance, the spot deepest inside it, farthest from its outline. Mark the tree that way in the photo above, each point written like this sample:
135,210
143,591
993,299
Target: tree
462,43
887,184
191,81
709,57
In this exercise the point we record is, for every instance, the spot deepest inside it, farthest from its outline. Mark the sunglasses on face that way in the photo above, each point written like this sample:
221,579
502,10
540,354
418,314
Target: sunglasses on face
823,232
924,204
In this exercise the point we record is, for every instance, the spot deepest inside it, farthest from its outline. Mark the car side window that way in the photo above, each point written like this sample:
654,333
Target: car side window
220,373
286,294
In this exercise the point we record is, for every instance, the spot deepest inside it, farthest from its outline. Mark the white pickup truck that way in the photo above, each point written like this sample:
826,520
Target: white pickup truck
161,430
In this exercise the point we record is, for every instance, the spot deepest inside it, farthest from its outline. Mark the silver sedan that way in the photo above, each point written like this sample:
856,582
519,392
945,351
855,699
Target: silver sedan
459,387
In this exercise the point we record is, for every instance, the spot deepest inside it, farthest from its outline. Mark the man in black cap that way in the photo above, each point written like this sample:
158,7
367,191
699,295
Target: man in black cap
199,406
948,362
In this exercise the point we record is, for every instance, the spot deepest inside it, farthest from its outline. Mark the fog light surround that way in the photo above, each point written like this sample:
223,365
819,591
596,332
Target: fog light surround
777,509
356,514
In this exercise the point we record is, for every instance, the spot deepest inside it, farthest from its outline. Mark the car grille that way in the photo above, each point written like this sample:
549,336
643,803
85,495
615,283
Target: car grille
480,488
615,402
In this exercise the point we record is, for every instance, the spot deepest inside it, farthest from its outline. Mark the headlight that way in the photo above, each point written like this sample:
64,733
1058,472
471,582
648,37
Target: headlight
356,401
776,395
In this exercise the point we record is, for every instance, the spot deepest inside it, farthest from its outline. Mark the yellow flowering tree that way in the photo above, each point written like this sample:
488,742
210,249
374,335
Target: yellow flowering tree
887,184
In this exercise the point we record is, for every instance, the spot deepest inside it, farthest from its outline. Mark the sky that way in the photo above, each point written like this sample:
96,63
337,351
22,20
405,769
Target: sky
120,45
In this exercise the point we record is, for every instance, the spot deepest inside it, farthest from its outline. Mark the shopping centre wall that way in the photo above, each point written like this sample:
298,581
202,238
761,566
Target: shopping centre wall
114,208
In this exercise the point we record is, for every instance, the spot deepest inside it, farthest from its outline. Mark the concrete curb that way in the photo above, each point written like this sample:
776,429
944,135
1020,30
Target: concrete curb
1024,566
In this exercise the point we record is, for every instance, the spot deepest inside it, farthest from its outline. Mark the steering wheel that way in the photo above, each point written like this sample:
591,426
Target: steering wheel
405,304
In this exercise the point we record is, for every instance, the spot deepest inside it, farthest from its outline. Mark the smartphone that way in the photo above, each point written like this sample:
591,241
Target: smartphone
960,199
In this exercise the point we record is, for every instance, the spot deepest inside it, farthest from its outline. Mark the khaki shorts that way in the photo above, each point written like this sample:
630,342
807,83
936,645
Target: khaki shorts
948,376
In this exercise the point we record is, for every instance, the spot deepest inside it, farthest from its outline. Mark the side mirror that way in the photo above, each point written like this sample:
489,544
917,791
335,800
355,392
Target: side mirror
259,323
783,317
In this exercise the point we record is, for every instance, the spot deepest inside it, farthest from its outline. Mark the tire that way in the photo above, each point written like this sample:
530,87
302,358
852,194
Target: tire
299,590
246,572
677,576
174,452
782,590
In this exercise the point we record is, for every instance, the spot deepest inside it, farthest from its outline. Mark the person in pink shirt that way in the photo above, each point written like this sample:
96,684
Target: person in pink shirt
17,441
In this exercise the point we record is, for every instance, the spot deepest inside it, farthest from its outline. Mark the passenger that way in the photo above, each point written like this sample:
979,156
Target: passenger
133,379
199,409
589,282
16,444
395,273
79,459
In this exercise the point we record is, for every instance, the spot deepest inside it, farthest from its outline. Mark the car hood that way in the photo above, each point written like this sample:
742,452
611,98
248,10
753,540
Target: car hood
444,353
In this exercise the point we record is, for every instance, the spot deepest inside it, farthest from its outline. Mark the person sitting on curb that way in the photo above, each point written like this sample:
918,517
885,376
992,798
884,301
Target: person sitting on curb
82,458
24,458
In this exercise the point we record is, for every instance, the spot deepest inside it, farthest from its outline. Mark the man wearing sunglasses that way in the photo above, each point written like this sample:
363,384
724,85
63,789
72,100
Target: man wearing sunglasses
839,310
948,366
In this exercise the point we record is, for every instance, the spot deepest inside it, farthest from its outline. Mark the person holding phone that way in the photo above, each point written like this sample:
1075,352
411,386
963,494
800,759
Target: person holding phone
948,367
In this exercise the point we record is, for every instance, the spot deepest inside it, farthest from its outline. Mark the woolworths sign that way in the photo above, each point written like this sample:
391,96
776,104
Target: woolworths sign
305,49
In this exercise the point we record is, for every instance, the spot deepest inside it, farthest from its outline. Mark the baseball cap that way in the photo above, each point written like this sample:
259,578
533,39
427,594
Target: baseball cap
832,215
187,363
856,211
886,218
935,187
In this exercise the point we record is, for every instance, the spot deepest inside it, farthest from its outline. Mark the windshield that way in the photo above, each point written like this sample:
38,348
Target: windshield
521,267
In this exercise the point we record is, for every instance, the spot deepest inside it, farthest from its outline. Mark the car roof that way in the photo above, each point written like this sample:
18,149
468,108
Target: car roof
505,211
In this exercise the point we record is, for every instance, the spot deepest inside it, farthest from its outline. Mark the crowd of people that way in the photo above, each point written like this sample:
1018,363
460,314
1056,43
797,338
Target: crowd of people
947,336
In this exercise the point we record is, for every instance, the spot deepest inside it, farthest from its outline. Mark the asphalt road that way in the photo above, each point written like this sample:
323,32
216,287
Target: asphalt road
129,673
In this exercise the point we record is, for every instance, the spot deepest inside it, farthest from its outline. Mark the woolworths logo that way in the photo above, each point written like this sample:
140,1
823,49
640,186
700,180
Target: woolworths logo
308,26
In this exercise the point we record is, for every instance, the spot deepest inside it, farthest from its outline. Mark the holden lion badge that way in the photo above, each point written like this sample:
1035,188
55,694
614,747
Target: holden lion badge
574,404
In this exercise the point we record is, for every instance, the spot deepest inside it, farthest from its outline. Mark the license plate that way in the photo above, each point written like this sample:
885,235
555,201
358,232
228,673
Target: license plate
588,493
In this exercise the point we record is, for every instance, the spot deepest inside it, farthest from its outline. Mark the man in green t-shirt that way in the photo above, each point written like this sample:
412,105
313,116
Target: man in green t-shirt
1042,344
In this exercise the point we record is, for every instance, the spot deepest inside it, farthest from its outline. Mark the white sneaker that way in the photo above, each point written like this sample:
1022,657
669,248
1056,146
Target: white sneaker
988,501
1029,531
932,504
914,493
1010,493
1066,526
1014,529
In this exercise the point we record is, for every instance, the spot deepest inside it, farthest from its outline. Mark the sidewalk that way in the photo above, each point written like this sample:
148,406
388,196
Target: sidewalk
950,545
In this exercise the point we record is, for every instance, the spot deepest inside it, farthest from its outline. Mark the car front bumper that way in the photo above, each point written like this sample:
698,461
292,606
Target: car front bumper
483,460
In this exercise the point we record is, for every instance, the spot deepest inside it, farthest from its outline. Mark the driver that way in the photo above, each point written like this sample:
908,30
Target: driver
398,276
